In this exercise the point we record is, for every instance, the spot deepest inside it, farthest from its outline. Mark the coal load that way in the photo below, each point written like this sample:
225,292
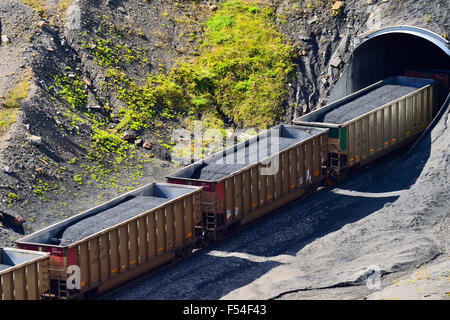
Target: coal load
366,103
239,159
213,172
4,266
108,218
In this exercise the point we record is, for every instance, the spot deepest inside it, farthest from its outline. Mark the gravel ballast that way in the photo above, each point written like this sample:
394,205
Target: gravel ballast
109,218
366,103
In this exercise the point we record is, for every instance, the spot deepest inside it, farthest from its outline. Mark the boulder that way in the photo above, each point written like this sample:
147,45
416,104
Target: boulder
35,140
148,145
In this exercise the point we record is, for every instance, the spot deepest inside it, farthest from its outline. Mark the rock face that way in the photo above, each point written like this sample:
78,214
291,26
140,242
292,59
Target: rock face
35,140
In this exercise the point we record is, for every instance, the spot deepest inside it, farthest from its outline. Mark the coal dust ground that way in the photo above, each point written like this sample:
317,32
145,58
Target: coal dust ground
392,218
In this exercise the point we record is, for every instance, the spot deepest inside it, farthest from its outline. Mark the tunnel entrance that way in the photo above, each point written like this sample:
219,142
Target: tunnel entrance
396,51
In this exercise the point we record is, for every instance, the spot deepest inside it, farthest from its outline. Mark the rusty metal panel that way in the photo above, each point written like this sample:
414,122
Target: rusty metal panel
423,110
32,282
169,226
133,240
154,239
301,165
401,116
308,162
161,231
247,198
8,286
197,208
279,178
429,102
105,263
255,187
373,133
124,251
270,187
417,112
388,126
94,265
20,291
351,143
317,165
238,201
188,218
285,170
114,246
179,223
229,199
262,187
324,152
365,137
359,139
43,275
293,168
380,129
83,258
409,117
142,238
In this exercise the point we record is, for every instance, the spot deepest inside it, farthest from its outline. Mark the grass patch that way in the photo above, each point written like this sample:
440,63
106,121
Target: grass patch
243,70
64,4
37,5
7,118
9,110
18,93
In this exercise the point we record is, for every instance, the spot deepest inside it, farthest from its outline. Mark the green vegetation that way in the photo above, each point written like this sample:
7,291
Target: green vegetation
243,71
9,110
17,94
110,53
7,118
70,90
38,5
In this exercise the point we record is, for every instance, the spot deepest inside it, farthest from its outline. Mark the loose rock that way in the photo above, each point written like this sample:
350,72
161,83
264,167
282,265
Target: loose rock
35,140
148,145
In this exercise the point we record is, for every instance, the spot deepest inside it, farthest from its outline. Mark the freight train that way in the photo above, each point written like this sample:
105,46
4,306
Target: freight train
159,223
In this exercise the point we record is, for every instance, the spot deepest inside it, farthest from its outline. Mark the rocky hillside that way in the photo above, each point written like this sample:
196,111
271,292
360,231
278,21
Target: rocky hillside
90,91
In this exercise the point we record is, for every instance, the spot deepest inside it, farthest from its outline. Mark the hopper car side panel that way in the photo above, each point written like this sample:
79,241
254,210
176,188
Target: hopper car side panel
28,278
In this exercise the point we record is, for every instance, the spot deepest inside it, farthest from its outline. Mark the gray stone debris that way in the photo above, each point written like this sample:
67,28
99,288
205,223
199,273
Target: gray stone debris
7,169
336,62
5,39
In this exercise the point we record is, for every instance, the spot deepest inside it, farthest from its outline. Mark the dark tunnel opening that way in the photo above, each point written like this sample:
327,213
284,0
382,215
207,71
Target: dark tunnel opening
391,54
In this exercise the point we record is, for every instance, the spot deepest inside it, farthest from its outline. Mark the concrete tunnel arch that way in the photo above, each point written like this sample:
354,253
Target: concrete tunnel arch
390,51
